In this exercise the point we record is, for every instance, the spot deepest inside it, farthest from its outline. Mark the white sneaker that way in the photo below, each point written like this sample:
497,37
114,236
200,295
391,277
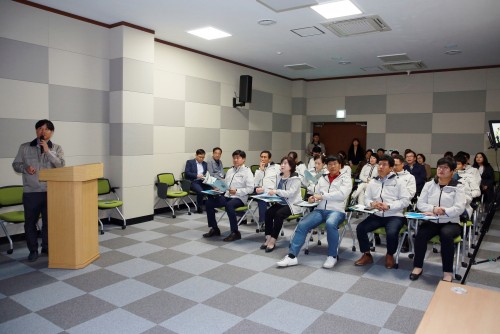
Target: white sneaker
330,262
287,262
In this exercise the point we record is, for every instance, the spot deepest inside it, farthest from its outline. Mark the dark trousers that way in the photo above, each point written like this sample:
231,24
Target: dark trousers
198,186
230,204
447,233
392,226
275,215
262,210
35,204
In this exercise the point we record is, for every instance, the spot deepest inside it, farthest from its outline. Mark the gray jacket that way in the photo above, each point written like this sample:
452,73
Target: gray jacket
29,155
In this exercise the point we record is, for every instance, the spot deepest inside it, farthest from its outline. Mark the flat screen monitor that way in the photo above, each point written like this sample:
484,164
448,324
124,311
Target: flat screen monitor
494,134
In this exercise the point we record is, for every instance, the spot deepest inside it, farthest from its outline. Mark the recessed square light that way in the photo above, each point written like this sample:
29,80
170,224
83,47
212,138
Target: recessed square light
340,113
332,10
209,33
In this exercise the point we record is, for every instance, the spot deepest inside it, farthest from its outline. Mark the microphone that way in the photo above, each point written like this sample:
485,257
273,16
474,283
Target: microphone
41,147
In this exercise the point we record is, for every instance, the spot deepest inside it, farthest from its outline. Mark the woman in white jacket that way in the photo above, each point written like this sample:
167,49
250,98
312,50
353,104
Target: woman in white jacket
331,195
368,172
288,189
443,198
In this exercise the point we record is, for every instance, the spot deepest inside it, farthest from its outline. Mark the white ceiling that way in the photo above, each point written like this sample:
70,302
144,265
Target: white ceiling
423,29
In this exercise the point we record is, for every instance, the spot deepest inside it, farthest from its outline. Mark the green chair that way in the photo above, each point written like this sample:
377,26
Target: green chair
11,196
403,232
104,188
457,241
168,188
226,169
253,168
186,186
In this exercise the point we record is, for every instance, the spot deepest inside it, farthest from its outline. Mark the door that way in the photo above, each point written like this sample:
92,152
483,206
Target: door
338,136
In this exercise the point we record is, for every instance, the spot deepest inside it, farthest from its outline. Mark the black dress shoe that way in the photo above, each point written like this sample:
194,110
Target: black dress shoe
233,236
244,222
263,246
33,256
211,233
377,240
415,277
45,252
269,250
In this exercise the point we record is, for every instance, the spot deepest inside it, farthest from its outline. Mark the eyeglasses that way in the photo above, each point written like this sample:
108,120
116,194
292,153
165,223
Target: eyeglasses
443,167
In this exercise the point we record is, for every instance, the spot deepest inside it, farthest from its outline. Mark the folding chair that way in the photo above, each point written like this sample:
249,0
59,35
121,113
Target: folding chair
11,196
253,168
165,190
104,188
245,209
186,186
456,241
403,232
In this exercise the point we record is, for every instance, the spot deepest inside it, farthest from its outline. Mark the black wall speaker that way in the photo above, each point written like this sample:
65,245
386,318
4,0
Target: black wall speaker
245,89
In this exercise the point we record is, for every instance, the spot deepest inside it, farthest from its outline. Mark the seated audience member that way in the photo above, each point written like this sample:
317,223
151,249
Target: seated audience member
473,173
380,152
443,198
448,154
265,180
195,171
394,153
240,181
471,188
331,194
421,160
319,168
390,197
362,163
404,176
288,189
368,172
346,169
415,169
300,167
214,164
314,143
355,153
316,152
487,176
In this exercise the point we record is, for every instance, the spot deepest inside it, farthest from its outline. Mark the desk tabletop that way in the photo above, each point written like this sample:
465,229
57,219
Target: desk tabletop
457,308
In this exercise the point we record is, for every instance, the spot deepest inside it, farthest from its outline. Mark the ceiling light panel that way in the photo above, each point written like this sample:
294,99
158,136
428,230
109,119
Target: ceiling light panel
283,6
399,57
333,10
209,33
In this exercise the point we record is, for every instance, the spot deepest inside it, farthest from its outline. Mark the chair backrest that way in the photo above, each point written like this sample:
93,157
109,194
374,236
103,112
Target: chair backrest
226,169
167,178
183,175
303,192
11,195
253,168
103,186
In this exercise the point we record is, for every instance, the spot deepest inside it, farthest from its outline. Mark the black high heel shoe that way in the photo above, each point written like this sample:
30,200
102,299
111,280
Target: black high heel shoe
415,277
263,246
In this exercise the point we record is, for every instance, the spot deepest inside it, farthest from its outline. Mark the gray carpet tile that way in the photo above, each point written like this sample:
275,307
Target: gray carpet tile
162,276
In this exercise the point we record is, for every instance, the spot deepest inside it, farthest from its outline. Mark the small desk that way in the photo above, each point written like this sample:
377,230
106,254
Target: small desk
450,312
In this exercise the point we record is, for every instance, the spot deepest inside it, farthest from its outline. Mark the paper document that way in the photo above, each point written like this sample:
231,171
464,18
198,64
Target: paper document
214,182
312,179
212,192
268,198
362,208
306,204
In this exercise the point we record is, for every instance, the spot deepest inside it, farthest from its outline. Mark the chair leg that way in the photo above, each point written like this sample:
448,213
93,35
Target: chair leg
187,205
171,207
102,226
457,260
4,228
124,226
351,231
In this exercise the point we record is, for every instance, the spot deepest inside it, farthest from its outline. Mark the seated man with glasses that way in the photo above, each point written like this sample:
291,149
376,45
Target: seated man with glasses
390,197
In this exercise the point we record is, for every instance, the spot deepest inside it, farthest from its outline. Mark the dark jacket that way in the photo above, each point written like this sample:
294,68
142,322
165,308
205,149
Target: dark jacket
191,170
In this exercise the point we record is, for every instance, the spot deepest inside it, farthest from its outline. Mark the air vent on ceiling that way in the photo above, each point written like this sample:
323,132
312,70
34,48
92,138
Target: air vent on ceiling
405,66
398,57
300,67
357,26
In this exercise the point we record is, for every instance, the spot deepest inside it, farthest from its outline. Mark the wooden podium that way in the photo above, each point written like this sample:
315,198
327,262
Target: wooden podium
73,216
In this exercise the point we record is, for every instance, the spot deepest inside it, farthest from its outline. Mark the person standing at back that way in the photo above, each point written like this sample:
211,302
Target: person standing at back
315,142
40,153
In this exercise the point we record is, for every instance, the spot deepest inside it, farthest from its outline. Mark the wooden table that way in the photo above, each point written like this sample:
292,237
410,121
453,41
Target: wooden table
475,311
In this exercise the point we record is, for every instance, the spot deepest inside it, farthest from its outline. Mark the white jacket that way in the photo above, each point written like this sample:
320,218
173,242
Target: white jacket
242,180
267,178
473,173
365,176
389,191
450,197
334,194
290,192
409,181
468,177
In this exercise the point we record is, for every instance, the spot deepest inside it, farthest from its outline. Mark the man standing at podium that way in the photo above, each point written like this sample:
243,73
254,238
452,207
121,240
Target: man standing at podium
41,153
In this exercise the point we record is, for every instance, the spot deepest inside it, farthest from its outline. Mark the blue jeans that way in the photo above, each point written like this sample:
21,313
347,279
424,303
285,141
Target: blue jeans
312,220
392,226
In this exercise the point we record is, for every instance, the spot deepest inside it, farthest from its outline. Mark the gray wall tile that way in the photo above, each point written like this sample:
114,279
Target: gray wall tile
261,101
471,143
299,106
138,76
299,141
207,139
260,140
14,132
454,102
131,139
234,119
202,91
371,104
23,61
409,123
78,104
116,74
282,123
375,140
169,112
